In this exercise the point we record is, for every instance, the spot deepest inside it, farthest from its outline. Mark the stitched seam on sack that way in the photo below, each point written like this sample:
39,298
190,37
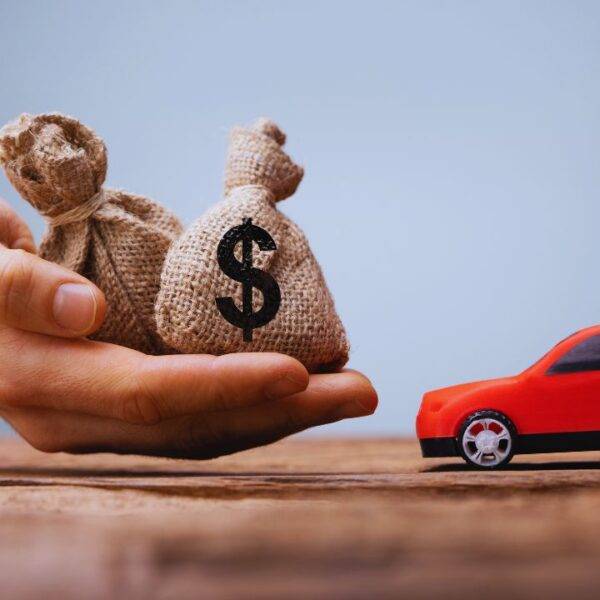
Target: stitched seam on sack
139,323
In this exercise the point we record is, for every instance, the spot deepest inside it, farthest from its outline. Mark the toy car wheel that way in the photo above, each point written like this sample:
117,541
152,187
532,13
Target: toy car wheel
487,439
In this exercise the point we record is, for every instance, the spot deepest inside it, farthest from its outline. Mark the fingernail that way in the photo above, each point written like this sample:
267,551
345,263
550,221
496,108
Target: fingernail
74,307
369,402
352,409
286,386
24,244
359,408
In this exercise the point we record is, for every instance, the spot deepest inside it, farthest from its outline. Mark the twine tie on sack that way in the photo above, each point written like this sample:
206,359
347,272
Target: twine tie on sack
80,212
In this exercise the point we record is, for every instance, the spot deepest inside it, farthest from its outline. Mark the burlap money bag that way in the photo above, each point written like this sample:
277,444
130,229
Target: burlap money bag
116,239
258,174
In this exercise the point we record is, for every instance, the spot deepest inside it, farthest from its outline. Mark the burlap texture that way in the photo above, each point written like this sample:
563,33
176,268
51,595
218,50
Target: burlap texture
115,239
258,173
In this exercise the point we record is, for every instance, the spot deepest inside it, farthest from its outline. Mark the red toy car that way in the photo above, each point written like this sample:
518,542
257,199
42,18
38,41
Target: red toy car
554,406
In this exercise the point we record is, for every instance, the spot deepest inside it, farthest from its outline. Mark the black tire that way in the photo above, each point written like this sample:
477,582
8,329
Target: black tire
473,454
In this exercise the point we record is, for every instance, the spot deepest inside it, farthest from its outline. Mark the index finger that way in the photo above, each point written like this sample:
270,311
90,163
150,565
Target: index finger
106,380
327,399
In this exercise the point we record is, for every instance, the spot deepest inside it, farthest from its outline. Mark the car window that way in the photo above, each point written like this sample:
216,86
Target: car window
583,357
542,358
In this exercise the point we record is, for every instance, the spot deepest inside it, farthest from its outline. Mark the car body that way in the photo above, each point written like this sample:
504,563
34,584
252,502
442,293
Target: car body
553,406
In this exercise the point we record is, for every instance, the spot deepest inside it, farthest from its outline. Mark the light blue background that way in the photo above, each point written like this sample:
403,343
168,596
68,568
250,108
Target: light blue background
451,153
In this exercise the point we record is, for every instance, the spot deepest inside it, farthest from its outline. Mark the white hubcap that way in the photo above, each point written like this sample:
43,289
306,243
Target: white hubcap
486,442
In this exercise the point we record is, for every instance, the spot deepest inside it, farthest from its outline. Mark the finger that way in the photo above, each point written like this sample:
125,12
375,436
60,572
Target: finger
37,295
186,384
328,398
14,232
111,381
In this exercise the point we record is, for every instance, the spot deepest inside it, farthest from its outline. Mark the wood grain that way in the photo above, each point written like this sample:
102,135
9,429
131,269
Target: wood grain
304,518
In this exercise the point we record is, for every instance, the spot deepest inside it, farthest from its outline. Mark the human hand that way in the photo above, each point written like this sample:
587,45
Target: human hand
65,393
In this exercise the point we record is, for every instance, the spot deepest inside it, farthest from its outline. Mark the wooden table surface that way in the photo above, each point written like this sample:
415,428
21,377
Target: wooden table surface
307,518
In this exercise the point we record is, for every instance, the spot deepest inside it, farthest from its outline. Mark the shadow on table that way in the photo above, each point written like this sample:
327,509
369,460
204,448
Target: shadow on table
134,474
521,466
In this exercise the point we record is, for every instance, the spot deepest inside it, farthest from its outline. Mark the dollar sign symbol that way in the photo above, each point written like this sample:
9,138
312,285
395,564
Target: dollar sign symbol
249,277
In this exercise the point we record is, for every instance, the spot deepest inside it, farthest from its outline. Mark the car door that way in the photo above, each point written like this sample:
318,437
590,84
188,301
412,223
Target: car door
569,398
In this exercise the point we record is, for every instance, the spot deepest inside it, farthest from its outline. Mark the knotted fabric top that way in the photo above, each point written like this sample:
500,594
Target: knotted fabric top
256,157
56,163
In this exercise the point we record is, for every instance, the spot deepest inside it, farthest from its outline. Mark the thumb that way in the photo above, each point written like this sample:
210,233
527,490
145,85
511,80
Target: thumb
40,296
